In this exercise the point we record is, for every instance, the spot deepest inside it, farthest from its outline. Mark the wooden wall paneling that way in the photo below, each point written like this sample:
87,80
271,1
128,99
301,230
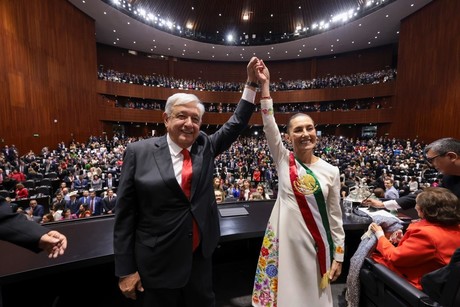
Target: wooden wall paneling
49,63
429,73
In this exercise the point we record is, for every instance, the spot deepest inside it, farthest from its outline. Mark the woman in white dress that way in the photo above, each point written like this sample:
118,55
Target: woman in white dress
303,246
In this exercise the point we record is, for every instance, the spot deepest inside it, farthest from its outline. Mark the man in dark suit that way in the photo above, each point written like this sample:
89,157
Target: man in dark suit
110,182
109,202
155,219
16,229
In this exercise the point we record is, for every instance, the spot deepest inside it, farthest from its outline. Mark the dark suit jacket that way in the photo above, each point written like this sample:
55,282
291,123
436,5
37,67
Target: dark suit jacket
17,229
153,220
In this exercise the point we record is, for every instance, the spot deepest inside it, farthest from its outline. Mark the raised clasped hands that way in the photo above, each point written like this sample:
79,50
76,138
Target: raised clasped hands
54,243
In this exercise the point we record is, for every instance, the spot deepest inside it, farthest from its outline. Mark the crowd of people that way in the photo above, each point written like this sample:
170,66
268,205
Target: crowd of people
90,165
334,81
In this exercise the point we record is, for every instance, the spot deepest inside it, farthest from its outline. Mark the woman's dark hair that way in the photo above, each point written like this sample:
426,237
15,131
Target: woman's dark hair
439,206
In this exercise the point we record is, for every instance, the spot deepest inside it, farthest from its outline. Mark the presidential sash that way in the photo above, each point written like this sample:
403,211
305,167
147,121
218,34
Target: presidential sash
303,187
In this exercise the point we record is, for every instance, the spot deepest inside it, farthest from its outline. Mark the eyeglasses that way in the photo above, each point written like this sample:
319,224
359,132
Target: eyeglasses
431,159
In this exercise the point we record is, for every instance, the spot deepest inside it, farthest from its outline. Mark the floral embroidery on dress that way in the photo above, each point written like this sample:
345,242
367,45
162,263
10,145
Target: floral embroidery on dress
266,278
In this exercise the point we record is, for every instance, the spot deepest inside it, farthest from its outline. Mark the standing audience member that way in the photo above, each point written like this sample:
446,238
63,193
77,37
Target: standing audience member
16,229
94,203
303,247
73,204
109,202
160,194
428,244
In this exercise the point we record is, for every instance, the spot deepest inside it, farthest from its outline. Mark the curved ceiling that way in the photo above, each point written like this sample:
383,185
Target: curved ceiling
267,21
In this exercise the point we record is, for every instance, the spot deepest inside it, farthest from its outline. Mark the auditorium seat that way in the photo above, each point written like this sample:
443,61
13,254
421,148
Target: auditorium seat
4,193
380,286
43,190
29,184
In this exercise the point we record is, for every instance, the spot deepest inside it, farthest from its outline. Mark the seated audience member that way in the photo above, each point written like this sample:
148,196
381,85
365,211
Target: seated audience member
427,244
390,190
83,211
37,210
68,215
379,193
21,191
219,196
256,196
47,218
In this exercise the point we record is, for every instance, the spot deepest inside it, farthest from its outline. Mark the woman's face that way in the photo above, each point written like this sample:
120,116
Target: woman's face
302,134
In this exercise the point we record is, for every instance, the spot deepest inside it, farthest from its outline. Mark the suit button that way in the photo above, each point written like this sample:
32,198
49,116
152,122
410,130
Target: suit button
190,234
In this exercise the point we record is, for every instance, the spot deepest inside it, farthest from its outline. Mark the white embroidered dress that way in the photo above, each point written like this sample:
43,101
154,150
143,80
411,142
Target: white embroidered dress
288,273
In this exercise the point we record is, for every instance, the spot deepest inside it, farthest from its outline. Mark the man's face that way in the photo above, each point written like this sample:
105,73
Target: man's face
388,184
183,125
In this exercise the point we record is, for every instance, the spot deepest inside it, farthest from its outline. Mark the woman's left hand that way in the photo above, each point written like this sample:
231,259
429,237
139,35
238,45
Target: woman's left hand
336,270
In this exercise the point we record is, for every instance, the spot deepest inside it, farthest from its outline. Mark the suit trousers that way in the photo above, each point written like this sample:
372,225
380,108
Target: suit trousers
197,292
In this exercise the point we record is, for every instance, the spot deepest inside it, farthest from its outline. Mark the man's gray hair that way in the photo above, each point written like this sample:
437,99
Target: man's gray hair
443,146
180,99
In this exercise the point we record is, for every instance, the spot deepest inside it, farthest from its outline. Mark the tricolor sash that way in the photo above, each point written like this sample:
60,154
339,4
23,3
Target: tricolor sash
308,185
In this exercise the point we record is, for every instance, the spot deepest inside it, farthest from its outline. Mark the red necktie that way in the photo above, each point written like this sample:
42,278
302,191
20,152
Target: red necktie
186,187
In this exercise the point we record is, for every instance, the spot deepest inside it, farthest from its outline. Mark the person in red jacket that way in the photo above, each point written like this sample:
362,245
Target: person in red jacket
21,191
427,244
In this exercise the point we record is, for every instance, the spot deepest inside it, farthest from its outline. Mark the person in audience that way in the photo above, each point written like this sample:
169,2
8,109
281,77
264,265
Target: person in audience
16,229
58,201
56,211
413,184
390,190
219,194
245,190
427,244
48,217
17,175
37,210
80,183
73,204
109,202
151,201
303,246
95,205
84,199
255,196
379,193
110,182
21,191
84,211
68,215
96,183
261,190
444,155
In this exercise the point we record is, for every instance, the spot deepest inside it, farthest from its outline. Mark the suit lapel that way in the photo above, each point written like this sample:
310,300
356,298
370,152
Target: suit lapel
162,158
